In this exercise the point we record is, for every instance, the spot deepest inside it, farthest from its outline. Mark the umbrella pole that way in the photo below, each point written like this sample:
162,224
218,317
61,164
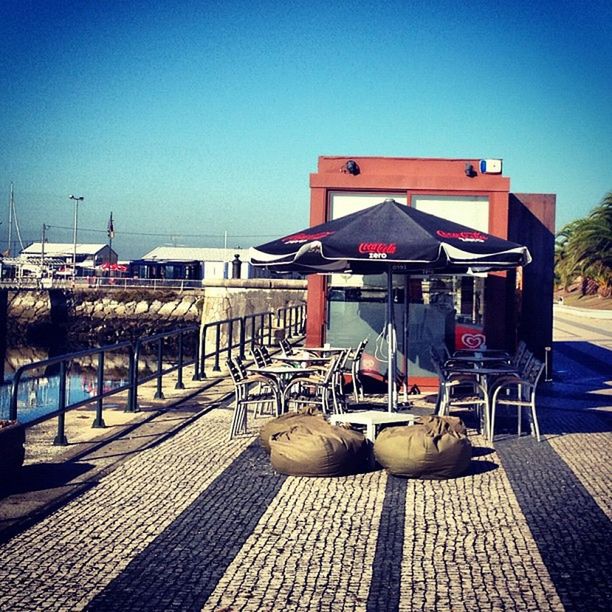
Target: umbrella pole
405,339
391,348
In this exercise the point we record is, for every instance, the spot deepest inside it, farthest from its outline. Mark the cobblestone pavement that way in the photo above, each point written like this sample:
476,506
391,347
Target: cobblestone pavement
199,523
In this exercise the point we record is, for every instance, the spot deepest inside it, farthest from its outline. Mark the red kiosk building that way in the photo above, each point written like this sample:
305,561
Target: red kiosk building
493,310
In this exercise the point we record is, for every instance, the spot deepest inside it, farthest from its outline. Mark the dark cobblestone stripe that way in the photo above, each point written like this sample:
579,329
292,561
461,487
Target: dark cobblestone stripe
181,568
569,528
386,575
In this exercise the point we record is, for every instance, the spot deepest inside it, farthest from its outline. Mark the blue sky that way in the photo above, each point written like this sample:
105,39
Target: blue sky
191,119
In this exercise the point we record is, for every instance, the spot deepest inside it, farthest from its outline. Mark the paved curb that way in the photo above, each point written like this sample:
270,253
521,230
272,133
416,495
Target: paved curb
587,313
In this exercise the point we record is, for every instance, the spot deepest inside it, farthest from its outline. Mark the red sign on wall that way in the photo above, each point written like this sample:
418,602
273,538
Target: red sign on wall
469,337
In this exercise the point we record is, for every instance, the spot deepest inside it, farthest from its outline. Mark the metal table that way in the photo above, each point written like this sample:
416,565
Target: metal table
281,376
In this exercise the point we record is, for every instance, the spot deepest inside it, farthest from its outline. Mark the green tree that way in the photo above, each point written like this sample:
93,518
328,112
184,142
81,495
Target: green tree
584,249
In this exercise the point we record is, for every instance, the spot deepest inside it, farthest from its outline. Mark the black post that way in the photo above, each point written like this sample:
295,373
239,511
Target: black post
196,362
3,330
159,394
132,400
60,438
236,265
216,367
179,374
242,336
99,420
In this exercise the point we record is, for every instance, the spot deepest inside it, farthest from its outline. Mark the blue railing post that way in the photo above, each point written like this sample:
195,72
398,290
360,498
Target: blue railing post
98,421
179,374
14,392
241,337
269,319
230,338
159,394
216,367
60,438
284,320
132,401
196,361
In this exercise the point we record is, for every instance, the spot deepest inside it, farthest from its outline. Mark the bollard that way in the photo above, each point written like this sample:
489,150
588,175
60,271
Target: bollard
548,374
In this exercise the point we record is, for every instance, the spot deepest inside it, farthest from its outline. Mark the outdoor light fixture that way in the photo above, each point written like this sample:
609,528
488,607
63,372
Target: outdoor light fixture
470,171
351,167
76,199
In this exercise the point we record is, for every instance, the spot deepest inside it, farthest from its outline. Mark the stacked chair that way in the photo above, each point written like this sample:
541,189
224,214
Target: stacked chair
261,355
322,387
516,388
355,362
250,389
519,392
458,390
285,347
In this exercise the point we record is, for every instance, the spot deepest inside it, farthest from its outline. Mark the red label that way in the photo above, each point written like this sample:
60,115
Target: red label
465,236
378,247
306,237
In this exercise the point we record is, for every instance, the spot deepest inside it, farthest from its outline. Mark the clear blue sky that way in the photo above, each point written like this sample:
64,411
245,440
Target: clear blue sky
191,118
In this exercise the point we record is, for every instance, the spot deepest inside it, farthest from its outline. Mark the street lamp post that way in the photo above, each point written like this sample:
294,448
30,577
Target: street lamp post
76,199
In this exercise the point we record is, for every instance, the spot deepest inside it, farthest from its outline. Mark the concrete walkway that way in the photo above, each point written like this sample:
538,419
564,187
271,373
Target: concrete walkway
185,520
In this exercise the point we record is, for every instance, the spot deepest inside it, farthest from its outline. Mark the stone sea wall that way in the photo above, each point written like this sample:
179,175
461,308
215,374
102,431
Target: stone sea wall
102,316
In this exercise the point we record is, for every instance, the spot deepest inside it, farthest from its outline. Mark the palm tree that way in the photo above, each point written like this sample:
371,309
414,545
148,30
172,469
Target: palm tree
584,249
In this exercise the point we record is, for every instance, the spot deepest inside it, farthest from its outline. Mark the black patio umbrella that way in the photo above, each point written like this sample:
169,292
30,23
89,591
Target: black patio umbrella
393,238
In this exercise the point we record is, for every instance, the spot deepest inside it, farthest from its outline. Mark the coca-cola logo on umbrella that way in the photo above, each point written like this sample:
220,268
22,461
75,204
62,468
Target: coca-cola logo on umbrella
377,250
305,237
464,236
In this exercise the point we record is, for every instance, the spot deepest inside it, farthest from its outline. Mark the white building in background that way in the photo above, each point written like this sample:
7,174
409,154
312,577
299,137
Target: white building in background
58,256
195,263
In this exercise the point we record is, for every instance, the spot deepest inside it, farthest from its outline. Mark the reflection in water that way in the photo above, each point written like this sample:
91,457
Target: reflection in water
39,388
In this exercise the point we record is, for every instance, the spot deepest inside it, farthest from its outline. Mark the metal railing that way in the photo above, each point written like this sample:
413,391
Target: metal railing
193,347
221,338
63,364
164,367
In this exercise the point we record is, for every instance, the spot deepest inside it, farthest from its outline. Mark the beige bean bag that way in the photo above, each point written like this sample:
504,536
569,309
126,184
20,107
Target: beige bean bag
285,422
315,448
435,448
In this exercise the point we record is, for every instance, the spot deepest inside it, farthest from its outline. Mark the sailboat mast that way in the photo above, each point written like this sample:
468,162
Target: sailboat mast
10,224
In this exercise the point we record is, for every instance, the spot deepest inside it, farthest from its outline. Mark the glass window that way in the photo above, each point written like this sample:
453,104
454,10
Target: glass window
440,311
472,211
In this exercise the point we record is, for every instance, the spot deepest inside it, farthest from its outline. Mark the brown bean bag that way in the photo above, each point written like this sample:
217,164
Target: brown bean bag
436,448
315,448
285,422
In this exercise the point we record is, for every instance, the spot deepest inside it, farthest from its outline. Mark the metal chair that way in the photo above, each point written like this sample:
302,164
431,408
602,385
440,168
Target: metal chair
261,356
318,388
356,360
459,390
519,392
285,347
249,389
341,368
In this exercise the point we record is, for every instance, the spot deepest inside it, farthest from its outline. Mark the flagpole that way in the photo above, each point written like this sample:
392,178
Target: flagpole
111,231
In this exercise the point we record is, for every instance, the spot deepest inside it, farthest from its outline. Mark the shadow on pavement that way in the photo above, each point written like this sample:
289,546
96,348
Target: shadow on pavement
41,476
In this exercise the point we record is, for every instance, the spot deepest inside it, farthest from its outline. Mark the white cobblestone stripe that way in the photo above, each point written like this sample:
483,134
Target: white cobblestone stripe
468,546
64,560
312,550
